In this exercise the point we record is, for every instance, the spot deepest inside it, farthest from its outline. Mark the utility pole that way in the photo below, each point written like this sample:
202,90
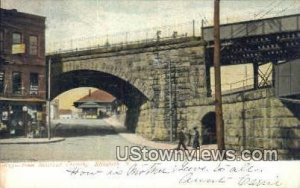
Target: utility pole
217,68
49,99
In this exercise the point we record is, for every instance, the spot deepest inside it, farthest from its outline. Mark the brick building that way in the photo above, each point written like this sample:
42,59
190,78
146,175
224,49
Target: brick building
22,72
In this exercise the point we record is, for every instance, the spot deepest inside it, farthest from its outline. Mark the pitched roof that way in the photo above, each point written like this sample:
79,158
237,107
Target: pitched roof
97,96
65,111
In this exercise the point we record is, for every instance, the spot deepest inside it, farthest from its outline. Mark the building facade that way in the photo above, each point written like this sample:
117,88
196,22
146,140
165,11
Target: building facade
54,112
22,72
97,104
65,114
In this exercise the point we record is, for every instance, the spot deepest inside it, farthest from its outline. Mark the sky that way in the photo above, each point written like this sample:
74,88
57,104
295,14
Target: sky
69,21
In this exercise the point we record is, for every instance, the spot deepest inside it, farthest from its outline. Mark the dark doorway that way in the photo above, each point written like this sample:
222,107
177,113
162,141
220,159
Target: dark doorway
209,128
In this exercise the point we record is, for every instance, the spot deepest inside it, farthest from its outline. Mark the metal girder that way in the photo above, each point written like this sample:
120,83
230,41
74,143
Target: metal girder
260,49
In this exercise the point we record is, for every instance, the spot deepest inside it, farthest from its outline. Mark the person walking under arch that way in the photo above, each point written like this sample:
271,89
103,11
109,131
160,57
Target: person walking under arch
196,143
181,137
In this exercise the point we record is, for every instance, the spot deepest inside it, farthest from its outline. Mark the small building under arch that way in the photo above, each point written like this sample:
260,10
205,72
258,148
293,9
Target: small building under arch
97,104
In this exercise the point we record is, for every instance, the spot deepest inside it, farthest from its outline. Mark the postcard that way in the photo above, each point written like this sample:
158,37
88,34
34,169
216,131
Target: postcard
149,93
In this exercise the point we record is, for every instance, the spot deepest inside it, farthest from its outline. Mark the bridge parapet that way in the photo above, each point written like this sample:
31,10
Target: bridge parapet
149,35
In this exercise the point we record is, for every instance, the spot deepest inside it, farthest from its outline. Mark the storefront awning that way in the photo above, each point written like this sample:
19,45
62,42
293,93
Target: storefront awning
89,105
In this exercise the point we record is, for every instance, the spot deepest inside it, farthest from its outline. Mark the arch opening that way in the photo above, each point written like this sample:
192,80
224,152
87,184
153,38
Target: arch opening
122,90
209,128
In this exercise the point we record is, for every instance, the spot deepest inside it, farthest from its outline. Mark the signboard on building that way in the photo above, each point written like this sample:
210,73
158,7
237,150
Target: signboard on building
18,49
2,82
1,76
33,90
4,116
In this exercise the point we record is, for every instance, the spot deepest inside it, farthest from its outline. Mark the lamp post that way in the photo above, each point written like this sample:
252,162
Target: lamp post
25,109
49,99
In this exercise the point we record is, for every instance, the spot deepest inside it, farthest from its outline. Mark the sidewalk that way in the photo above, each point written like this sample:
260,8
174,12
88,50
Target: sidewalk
20,140
139,140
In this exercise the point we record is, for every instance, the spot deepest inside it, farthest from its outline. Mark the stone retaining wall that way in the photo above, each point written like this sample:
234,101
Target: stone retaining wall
259,120
252,120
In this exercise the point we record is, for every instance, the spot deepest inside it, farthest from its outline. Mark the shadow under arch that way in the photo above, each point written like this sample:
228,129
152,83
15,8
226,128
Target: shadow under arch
124,91
209,128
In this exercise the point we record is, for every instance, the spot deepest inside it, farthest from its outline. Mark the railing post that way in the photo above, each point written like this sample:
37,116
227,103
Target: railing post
193,28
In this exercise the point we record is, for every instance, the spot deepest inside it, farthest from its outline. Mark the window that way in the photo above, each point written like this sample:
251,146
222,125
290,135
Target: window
17,38
34,83
2,82
16,83
33,45
1,41
17,46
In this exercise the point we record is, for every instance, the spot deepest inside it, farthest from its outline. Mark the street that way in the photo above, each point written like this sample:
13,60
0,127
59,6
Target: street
85,140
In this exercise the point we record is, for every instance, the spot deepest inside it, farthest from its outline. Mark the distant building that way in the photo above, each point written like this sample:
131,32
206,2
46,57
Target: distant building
97,104
54,112
22,71
65,114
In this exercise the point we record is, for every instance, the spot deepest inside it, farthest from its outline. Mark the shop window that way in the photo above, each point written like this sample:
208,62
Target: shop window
17,38
2,82
33,45
34,84
16,83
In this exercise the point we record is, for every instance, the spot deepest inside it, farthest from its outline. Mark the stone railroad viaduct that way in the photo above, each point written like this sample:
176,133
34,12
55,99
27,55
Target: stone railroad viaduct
146,76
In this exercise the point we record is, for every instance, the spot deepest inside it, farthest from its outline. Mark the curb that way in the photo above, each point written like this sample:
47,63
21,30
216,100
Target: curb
30,141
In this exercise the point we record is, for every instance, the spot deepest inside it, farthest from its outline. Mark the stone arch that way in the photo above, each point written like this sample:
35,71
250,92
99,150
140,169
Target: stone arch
123,90
111,69
208,122
120,88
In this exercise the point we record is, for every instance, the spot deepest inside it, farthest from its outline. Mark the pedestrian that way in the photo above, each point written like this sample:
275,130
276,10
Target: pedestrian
181,137
189,135
206,139
196,139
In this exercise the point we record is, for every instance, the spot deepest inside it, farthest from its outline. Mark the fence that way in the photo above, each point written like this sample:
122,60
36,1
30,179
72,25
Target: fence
188,29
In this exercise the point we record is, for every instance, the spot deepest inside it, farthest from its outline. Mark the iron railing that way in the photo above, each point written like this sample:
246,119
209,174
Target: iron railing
239,86
188,29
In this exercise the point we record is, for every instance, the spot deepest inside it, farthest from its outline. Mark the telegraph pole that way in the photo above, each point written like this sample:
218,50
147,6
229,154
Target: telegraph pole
217,68
49,99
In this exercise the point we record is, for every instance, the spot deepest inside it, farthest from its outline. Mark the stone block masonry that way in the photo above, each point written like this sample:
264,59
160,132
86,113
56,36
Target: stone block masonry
256,120
140,77
259,120
188,83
